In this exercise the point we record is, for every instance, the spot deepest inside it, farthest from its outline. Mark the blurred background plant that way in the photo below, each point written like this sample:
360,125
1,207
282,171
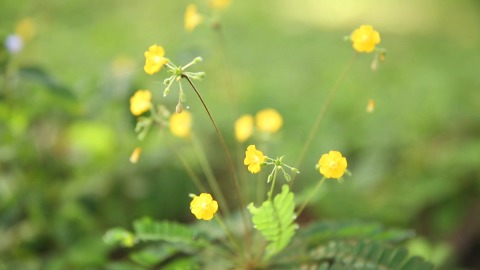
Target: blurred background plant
68,69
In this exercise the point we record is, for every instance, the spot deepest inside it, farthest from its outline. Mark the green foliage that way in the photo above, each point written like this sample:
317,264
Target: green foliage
363,255
275,220
320,232
148,230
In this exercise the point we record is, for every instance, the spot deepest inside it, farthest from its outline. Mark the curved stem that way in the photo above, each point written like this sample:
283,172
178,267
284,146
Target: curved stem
310,196
321,114
227,155
208,172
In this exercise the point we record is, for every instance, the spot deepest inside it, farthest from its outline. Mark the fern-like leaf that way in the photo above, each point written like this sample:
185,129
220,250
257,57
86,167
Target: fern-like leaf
275,220
146,229
363,255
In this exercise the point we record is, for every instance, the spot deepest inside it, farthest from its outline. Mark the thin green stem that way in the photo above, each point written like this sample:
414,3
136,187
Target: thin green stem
229,81
228,233
310,196
270,193
227,155
207,170
196,181
321,114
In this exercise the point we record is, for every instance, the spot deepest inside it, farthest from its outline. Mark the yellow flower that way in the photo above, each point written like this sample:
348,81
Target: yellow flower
253,158
203,206
25,29
135,155
269,120
181,123
365,38
154,59
243,127
192,18
140,102
332,165
219,4
371,106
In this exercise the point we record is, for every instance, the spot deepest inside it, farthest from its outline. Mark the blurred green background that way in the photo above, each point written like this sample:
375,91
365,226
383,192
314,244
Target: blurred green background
66,132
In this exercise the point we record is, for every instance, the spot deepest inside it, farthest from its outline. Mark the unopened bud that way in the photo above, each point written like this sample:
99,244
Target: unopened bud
179,108
198,59
165,93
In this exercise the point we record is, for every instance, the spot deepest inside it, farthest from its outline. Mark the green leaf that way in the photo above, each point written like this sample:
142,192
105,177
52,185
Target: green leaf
119,236
363,255
275,220
148,230
39,75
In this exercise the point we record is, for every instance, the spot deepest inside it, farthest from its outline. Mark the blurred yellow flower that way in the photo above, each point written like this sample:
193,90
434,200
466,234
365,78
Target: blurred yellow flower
140,102
25,29
244,127
268,120
180,124
203,206
135,155
192,17
219,4
332,165
154,59
365,38
371,106
253,159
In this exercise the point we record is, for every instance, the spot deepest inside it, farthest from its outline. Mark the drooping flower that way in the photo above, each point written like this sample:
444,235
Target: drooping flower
219,4
365,38
268,120
140,102
135,155
244,127
203,206
253,159
154,59
181,123
332,165
192,17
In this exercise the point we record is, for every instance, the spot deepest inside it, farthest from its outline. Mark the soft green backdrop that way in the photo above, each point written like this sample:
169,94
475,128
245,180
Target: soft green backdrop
66,135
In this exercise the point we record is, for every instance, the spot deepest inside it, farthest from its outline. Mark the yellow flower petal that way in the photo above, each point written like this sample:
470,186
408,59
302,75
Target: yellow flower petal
140,102
181,123
135,155
332,165
269,120
243,127
192,17
253,159
154,59
219,4
365,38
203,206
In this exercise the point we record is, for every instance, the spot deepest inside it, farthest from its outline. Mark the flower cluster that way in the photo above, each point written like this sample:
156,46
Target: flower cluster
267,121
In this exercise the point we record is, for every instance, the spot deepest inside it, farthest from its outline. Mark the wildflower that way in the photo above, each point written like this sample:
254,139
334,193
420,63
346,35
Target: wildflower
135,155
192,18
140,102
14,43
332,165
243,127
25,29
365,38
371,106
203,206
219,4
180,124
154,59
269,120
253,159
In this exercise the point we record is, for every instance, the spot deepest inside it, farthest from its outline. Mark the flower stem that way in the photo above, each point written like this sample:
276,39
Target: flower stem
270,193
321,114
227,232
207,170
310,196
227,155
